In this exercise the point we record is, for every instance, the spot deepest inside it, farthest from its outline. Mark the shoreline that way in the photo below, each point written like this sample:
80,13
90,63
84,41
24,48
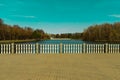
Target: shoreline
16,41
61,39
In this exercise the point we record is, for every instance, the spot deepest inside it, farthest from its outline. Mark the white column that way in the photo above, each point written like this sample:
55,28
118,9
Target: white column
78,48
111,48
92,48
118,48
28,48
64,50
69,48
81,48
21,48
87,47
24,48
54,48
43,49
12,47
34,49
61,48
84,48
115,49
108,48
98,48
37,48
73,48
6,48
50,49
16,49
9,49
95,48
58,51
1,48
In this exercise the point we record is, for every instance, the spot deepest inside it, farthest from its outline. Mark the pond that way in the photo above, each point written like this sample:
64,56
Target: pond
67,41
60,41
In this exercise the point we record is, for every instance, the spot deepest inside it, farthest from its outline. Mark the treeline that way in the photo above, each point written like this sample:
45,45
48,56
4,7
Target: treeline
68,35
104,32
15,32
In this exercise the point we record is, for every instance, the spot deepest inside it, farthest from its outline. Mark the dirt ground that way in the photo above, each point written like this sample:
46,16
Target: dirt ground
60,67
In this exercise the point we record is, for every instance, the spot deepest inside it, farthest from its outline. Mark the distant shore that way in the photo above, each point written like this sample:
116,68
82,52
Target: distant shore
60,39
16,41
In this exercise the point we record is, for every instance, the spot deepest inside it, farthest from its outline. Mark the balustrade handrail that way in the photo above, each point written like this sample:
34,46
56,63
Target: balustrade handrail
58,48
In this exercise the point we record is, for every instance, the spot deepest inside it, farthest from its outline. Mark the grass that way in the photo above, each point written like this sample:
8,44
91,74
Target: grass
16,41
60,67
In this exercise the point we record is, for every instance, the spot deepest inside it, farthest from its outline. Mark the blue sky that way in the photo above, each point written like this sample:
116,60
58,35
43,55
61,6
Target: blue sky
59,16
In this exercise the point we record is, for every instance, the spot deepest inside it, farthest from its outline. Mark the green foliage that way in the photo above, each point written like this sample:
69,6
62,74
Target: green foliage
68,35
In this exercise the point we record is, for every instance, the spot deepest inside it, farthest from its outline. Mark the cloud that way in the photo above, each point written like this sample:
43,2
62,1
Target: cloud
20,2
22,16
29,16
115,15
